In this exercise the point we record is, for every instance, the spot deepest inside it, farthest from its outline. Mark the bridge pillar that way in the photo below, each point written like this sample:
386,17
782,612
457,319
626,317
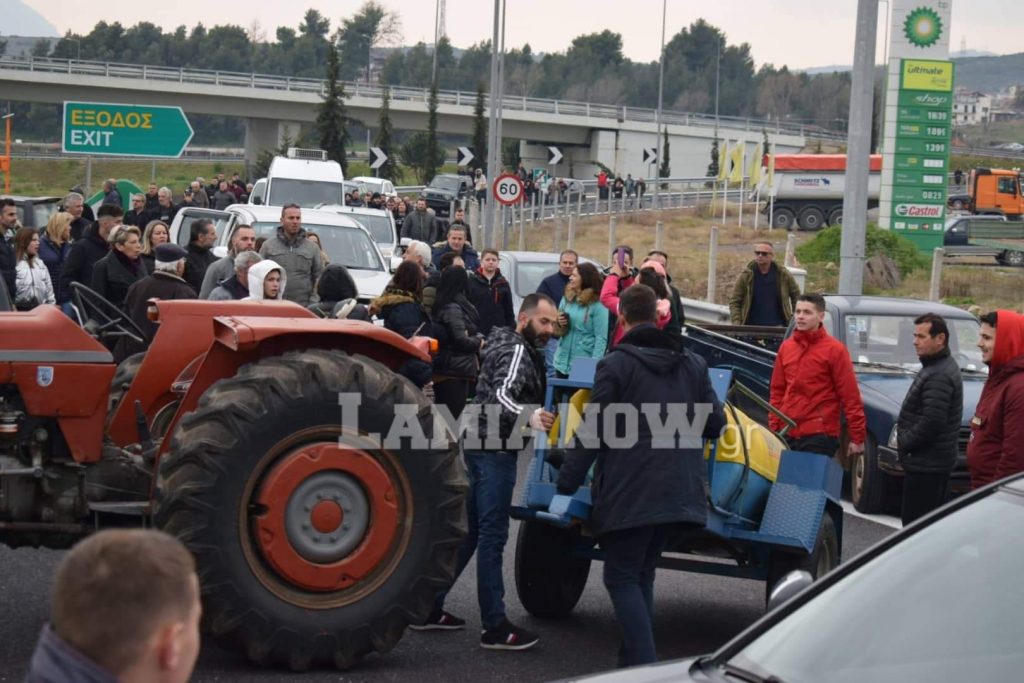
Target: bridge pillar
267,134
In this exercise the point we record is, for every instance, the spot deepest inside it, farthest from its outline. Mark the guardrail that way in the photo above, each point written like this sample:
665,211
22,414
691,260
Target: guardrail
403,94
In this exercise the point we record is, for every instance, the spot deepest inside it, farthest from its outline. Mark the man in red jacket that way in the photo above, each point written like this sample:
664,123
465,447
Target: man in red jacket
813,382
996,448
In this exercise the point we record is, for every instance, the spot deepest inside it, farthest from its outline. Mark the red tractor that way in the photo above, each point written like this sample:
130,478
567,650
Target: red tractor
245,430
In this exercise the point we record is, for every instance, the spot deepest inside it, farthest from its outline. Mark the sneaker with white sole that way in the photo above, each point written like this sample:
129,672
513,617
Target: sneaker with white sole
507,636
440,621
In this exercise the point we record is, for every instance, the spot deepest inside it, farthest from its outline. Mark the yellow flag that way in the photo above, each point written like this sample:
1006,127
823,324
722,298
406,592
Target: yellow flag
723,159
736,165
755,165
771,169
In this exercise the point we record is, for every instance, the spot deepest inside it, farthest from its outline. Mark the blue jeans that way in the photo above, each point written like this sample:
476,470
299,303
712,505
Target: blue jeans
492,476
631,556
549,356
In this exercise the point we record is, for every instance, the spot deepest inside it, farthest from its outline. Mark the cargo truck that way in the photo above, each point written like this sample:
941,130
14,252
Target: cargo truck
806,191
991,191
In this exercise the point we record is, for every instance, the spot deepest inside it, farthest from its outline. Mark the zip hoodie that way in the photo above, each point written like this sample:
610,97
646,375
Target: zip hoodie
258,273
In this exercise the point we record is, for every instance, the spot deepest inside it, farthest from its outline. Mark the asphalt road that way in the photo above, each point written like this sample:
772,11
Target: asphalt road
694,614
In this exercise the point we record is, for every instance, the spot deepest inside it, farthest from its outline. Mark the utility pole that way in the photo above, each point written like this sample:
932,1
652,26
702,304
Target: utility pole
492,129
661,89
858,145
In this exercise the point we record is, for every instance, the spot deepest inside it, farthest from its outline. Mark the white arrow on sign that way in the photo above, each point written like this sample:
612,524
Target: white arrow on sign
554,155
650,155
378,157
465,156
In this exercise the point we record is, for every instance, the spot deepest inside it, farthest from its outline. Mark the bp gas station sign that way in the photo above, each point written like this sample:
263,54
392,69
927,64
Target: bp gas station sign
918,122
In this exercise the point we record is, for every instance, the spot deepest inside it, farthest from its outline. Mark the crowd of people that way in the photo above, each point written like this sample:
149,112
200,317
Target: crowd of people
629,316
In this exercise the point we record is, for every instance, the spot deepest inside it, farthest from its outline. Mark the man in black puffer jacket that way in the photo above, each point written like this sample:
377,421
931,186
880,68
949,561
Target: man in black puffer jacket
928,429
654,478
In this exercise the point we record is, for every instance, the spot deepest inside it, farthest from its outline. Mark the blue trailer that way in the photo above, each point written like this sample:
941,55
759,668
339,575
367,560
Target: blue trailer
756,528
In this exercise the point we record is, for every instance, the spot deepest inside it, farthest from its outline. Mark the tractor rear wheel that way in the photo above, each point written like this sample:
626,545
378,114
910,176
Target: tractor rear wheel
315,545
549,578
824,559
124,375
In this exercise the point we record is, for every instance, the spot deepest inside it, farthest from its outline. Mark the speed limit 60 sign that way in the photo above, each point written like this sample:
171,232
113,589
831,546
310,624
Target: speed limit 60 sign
508,188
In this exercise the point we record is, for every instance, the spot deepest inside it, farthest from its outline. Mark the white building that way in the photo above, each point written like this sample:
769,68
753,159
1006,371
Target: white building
971,108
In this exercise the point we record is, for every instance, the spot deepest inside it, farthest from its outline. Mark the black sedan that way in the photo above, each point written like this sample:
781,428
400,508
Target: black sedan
939,601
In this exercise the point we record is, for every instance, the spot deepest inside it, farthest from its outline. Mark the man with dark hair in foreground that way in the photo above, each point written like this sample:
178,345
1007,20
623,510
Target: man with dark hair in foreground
125,610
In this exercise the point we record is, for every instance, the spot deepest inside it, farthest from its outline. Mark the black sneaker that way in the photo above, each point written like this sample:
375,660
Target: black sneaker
440,621
505,636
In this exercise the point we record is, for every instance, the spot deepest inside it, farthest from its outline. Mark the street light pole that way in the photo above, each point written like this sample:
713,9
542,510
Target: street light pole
437,21
661,88
492,128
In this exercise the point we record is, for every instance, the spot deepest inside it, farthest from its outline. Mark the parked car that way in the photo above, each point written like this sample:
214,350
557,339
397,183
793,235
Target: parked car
524,271
35,212
890,614
345,240
445,189
379,223
382,186
991,236
878,333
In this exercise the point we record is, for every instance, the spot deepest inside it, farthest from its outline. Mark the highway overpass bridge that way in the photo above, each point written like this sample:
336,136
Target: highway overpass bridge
274,107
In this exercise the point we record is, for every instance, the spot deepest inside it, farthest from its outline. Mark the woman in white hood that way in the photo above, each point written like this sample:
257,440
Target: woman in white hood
266,281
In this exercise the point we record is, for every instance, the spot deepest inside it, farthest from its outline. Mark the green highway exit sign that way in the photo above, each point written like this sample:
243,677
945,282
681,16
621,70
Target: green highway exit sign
125,130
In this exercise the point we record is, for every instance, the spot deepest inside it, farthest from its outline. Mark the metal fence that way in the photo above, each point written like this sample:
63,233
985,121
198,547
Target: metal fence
509,103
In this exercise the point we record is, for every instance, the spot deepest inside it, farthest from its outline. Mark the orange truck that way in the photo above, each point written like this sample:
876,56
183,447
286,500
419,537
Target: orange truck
991,191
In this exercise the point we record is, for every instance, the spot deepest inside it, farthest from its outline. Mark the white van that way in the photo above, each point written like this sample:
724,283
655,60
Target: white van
304,177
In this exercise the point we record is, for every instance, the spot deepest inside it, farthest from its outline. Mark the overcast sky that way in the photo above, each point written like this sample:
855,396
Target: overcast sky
798,33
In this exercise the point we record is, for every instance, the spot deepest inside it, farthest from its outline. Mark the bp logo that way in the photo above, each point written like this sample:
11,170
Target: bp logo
923,27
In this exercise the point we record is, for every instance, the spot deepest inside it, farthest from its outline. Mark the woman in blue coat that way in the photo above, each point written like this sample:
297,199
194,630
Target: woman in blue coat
582,321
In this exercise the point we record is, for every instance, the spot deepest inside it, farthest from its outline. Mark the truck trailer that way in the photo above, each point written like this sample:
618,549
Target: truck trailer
806,190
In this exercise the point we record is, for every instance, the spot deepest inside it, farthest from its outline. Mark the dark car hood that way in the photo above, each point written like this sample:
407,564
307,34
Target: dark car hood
890,388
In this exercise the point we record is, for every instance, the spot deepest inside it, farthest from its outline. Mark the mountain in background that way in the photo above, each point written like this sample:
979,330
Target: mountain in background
975,70
22,20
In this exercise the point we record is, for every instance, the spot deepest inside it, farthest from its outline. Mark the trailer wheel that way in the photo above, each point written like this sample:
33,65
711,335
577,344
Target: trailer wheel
315,545
783,219
811,218
824,559
549,579
835,216
957,205
1013,258
868,483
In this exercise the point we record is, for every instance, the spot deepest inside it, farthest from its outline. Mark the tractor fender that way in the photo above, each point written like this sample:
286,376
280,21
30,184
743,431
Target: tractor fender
238,340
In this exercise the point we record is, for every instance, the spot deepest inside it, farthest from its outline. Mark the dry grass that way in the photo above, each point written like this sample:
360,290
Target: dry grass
687,238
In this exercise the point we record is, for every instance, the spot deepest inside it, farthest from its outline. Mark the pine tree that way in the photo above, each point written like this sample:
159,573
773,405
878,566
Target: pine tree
389,170
713,166
433,159
479,130
665,169
331,116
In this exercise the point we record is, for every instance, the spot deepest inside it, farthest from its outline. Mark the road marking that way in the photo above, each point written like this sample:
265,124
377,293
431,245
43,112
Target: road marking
884,520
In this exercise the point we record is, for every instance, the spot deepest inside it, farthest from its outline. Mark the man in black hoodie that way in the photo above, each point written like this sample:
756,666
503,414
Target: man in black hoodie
490,292
87,251
655,482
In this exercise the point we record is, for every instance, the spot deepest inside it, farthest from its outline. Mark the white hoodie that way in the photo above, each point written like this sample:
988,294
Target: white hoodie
258,273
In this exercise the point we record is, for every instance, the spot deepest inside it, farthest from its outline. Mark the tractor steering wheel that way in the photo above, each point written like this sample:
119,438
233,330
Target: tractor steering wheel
102,318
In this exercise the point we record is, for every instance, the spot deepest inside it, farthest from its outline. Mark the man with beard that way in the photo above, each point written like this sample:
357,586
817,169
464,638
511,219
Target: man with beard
509,389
